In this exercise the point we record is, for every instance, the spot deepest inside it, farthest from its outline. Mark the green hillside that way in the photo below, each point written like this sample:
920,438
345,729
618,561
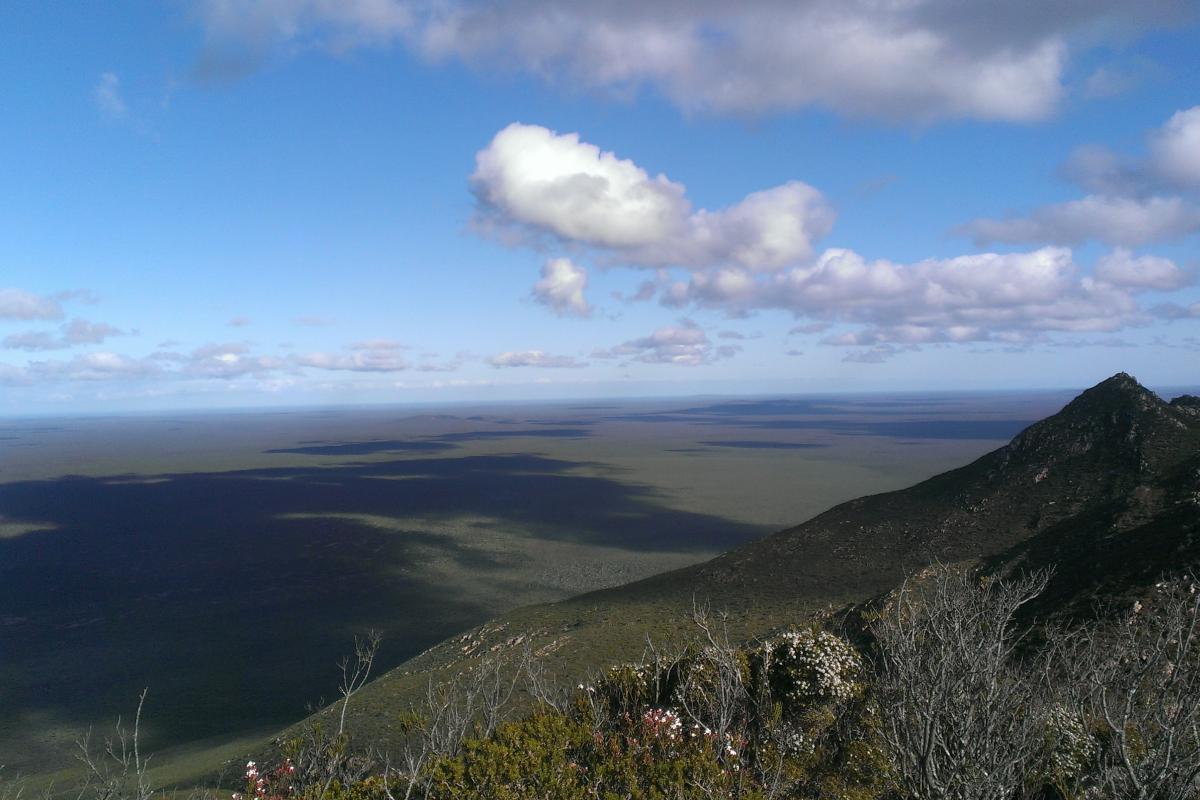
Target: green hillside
1107,490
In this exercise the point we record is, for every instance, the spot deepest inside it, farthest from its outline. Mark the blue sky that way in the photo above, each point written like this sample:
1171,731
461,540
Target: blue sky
220,203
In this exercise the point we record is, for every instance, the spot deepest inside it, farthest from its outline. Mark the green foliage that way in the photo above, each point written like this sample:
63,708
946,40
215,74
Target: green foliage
796,718
536,757
552,756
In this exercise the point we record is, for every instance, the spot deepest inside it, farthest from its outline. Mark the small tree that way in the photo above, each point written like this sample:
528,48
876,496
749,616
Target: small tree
1137,686
961,718
119,770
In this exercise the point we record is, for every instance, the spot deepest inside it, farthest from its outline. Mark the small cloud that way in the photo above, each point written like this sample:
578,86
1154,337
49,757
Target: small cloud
1148,273
875,355
31,341
81,331
314,322
811,327
684,344
1114,220
535,358
72,334
561,288
1173,311
1106,82
357,361
795,352
107,96
239,322
380,345
875,185
22,305
645,291
77,295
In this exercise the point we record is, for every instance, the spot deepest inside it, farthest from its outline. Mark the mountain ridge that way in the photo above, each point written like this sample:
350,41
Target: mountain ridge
1107,490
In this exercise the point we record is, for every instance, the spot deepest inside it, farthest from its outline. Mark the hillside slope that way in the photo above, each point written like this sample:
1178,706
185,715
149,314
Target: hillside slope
1107,490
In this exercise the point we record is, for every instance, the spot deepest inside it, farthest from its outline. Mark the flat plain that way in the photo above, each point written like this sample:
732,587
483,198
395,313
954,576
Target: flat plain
226,560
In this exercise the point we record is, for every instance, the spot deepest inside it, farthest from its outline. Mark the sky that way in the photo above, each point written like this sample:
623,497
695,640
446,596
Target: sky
239,203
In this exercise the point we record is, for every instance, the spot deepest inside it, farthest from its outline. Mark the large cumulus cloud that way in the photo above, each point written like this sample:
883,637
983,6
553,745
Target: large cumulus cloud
539,183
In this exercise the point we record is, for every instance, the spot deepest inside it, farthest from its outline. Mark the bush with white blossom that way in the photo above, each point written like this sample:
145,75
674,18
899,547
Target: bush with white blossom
806,667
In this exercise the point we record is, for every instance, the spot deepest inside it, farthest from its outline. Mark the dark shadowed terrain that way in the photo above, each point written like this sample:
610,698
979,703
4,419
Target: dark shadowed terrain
227,560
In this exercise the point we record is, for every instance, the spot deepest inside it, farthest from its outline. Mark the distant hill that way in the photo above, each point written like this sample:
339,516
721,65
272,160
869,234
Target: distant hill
1107,490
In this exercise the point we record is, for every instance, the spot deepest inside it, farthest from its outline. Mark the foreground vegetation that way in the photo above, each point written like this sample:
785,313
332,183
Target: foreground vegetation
940,690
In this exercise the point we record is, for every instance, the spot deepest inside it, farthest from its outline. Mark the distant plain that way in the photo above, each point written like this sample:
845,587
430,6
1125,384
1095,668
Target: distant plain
226,560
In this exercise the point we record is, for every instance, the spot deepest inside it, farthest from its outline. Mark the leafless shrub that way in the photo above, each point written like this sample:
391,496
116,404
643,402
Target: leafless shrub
471,705
543,687
961,718
1138,691
356,671
15,788
714,687
321,757
117,771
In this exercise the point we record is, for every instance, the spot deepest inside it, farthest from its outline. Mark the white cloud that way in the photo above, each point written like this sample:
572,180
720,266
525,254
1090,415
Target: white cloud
211,361
1114,220
556,183
229,360
684,344
562,287
379,345
376,355
969,298
876,354
535,182
369,360
240,34
74,333
1174,311
1105,82
22,305
809,327
1172,161
32,341
915,60
1100,171
1132,200
534,358
1175,148
107,96
93,367
1122,268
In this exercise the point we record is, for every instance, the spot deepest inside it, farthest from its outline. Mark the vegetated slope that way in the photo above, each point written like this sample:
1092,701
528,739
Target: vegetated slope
1107,490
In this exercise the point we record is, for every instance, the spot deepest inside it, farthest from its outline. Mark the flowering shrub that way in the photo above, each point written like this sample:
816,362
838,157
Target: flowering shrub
807,667
628,689
275,784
